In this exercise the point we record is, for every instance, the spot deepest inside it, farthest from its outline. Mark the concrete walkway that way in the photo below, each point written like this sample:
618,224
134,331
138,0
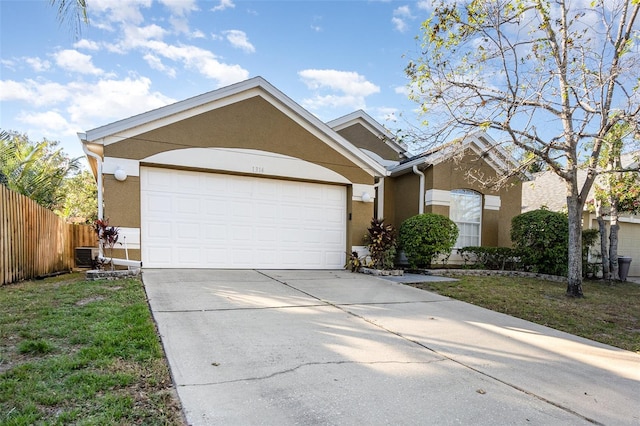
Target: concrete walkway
336,348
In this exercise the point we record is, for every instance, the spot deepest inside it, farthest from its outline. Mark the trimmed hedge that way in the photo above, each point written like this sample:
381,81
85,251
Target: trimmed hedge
425,236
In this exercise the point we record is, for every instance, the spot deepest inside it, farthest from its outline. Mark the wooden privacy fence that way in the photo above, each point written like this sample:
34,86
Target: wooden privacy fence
34,241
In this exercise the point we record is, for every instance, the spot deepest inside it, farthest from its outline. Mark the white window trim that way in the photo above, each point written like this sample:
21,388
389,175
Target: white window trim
462,222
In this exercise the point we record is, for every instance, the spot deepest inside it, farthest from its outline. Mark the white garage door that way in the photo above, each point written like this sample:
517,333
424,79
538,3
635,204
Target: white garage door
208,220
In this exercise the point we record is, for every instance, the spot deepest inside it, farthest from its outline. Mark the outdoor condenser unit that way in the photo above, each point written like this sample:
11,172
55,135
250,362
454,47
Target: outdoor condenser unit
85,256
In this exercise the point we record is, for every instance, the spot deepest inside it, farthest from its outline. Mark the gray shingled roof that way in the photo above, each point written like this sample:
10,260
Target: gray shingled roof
548,189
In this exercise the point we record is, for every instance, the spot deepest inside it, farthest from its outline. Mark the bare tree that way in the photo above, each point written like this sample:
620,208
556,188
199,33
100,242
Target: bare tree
550,77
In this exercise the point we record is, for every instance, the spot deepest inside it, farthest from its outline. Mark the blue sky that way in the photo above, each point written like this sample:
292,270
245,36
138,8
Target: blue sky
331,57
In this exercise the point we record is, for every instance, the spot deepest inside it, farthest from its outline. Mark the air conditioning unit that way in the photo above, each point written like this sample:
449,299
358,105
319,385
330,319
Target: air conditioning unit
85,256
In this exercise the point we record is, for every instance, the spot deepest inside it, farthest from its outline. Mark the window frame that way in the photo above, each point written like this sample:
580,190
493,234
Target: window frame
480,198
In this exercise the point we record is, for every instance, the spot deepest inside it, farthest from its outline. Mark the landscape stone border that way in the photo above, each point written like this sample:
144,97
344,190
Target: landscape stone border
488,273
98,274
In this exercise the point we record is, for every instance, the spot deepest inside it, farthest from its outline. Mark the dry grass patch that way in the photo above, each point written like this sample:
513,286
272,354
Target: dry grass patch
82,352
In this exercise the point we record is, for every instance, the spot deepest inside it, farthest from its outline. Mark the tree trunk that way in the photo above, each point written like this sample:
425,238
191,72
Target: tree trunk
574,278
613,242
606,275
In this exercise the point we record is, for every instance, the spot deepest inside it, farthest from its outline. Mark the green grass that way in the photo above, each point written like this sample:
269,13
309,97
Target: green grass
609,313
82,352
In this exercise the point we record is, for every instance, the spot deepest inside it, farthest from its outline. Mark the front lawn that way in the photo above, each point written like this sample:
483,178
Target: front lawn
81,352
609,313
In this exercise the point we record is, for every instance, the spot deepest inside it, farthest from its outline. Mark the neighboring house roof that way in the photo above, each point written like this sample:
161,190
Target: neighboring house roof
547,189
257,86
479,142
372,125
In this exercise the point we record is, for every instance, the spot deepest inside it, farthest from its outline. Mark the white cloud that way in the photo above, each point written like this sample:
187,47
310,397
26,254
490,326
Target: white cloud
134,37
119,11
72,60
197,34
400,16
33,92
180,7
402,11
224,4
402,90
386,114
201,60
155,63
352,88
38,65
46,122
238,39
108,100
348,82
399,24
58,112
86,44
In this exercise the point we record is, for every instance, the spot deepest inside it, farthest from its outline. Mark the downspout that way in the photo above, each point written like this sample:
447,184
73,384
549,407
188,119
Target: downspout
380,197
419,173
98,183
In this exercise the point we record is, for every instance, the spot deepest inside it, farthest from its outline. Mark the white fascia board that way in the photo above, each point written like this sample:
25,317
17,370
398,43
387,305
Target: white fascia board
387,163
407,167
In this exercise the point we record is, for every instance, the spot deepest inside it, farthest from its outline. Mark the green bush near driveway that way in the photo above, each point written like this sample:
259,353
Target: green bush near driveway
425,236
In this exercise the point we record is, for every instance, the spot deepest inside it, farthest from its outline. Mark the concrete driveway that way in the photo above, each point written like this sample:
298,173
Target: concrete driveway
336,348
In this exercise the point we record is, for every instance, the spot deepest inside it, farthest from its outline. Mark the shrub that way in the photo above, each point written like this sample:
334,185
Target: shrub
589,238
497,258
381,242
425,236
541,237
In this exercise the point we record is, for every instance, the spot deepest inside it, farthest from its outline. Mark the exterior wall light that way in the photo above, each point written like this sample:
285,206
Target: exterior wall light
366,197
120,174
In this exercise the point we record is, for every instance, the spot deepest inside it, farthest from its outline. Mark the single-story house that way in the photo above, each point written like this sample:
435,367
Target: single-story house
244,177
546,189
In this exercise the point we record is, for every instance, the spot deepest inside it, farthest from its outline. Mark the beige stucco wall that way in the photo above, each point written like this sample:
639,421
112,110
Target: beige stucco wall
358,135
406,203
361,216
449,175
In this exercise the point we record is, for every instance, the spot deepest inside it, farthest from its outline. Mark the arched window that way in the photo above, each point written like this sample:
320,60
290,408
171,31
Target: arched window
466,211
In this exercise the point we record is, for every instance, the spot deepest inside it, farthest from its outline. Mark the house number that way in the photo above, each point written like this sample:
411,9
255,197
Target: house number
257,169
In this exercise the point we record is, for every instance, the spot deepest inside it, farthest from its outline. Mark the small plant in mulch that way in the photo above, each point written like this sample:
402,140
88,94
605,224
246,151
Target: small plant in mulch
381,241
108,238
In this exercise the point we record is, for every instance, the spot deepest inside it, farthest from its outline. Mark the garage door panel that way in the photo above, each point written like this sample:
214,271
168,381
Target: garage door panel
207,220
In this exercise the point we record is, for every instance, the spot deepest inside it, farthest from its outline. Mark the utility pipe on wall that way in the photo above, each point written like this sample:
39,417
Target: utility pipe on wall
421,175
98,183
380,197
